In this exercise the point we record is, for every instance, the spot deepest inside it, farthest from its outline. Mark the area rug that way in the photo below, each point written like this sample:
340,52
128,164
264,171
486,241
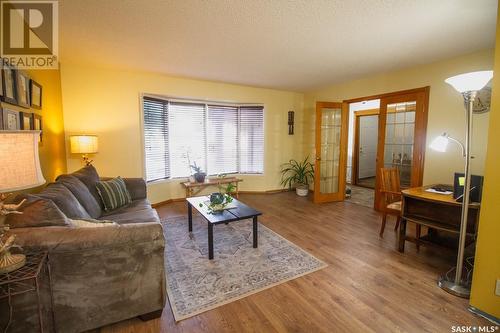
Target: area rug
362,196
196,284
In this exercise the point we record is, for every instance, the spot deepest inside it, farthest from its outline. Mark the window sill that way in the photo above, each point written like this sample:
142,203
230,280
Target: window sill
185,179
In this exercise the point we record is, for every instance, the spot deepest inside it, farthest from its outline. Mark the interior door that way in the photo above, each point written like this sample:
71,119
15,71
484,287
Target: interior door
331,151
368,137
402,133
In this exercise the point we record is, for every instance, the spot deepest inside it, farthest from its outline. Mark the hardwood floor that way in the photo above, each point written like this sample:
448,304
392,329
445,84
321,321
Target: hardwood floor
367,287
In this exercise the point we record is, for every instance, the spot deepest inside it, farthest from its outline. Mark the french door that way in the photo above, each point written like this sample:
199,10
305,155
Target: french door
402,133
331,151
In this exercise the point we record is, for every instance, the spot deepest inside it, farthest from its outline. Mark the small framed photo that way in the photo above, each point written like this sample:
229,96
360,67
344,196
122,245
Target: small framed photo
36,95
37,125
26,121
23,89
10,120
8,84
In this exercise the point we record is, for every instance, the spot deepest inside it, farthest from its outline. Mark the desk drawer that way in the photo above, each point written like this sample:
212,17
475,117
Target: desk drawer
445,215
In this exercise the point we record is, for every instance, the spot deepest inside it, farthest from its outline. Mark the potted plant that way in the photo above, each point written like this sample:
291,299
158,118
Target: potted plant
298,174
198,174
219,201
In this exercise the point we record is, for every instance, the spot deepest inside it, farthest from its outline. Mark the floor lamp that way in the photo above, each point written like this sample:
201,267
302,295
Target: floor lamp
468,85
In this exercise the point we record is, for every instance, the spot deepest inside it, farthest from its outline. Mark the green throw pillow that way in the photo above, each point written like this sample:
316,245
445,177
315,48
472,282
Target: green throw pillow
113,193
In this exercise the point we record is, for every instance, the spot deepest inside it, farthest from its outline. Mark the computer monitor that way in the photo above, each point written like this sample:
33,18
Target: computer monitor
476,187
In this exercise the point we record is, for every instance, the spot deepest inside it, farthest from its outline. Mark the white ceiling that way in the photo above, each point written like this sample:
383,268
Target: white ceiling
294,45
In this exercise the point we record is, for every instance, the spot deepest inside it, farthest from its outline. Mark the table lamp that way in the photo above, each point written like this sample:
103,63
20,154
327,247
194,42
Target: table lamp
19,170
84,144
468,85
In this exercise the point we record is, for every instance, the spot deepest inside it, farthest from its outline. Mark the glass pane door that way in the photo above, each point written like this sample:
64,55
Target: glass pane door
330,149
402,128
399,134
331,130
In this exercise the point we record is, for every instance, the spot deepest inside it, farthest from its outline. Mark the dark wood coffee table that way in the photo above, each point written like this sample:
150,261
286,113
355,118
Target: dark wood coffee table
240,212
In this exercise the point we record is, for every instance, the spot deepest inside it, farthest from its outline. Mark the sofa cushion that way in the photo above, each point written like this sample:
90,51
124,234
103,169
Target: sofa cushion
113,193
91,223
65,200
89,176
133,214
36,212
82,194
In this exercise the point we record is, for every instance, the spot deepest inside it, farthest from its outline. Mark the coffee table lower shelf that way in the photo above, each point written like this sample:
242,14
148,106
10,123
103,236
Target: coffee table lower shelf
238,213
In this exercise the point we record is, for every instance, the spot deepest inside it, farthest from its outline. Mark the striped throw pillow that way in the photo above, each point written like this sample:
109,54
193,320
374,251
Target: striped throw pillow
113,193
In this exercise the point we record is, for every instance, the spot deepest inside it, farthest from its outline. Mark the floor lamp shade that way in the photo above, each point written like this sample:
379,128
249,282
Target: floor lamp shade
19,160
83,144
473,81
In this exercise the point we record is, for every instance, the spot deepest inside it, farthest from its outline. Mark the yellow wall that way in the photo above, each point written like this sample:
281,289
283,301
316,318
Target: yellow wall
446,111
487,261
107,103
52,151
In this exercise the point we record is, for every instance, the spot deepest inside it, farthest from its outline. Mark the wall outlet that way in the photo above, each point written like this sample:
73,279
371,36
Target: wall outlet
497,289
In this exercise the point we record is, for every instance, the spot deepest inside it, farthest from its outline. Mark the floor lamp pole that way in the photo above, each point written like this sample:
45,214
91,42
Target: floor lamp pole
456,287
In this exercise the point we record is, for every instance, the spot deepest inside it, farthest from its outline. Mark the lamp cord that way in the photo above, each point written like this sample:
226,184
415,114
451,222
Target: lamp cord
469,269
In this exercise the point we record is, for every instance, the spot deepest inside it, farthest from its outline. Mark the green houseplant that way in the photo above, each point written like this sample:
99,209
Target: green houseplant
298,174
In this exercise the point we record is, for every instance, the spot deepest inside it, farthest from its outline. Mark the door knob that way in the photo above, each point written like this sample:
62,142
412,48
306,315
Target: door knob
318,158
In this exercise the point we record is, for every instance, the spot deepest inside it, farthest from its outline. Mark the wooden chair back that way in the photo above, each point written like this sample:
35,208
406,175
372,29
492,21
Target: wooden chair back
390,185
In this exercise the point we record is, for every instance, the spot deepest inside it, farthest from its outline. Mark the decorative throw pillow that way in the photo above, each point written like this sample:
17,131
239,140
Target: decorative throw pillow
113,193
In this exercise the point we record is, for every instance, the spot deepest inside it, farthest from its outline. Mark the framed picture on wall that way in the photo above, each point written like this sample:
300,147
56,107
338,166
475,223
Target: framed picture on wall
23,89
36,95
10,120
26,121
8,84
1,78
37,125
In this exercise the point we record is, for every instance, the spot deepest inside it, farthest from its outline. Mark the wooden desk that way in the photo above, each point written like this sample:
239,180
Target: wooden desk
194,188
435,211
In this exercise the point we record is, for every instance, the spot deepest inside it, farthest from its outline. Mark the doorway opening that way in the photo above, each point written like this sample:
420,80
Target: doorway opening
362,151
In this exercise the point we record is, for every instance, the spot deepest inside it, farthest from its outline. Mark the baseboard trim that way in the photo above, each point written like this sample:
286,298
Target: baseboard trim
485,315
161,203
265,192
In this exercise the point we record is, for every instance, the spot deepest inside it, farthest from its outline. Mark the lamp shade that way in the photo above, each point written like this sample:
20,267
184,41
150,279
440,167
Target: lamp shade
440,143
19,161
472,81
83,144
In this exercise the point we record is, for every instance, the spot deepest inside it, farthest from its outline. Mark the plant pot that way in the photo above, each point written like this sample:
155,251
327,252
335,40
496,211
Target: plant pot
302,190
200,177
216,198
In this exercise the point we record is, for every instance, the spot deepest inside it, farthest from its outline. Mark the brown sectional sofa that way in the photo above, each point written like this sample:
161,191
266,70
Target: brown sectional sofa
99,275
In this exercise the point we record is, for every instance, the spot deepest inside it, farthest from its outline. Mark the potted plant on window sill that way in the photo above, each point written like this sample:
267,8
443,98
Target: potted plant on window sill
298,174
198,175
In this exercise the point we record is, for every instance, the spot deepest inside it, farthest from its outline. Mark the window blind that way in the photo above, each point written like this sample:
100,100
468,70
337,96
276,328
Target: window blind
251,139
218,138
187,137
156,139
222,132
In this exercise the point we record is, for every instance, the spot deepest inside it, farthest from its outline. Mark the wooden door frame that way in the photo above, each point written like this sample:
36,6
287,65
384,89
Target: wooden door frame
420,140
355,149
340,195
420,136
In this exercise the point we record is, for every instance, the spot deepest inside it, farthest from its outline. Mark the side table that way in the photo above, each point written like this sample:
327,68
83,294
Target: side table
25,280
